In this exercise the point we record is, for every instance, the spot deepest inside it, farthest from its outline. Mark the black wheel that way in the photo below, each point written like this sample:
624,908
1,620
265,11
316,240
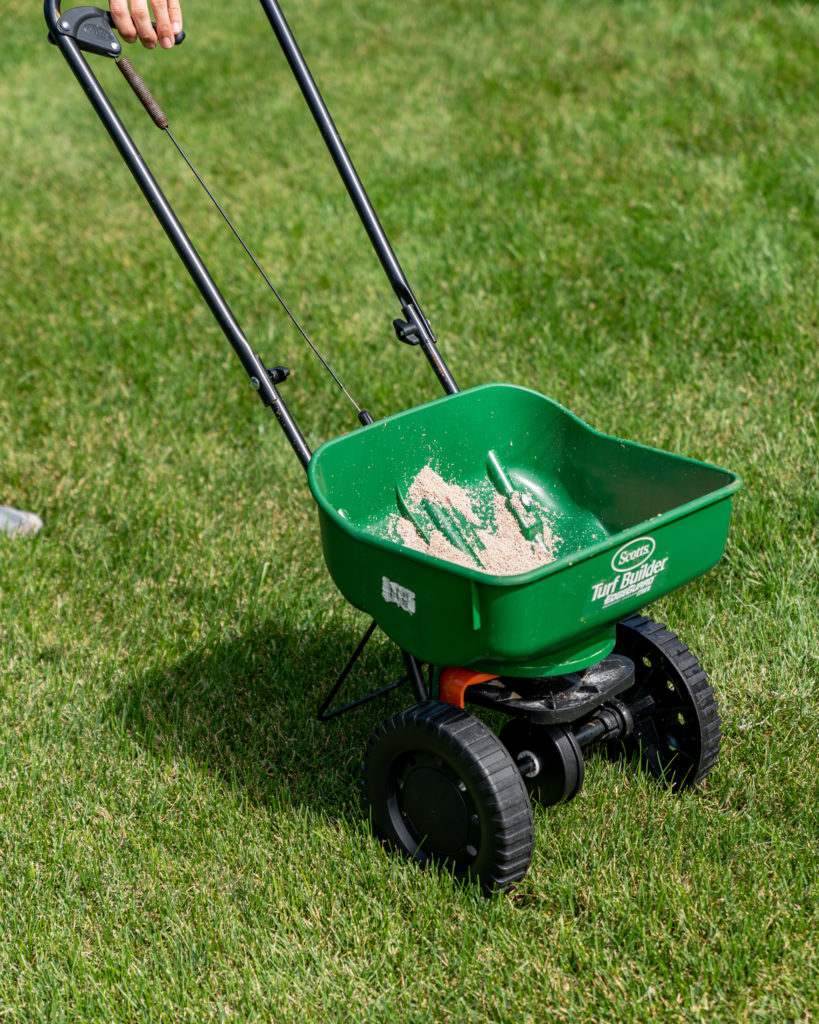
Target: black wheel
676,722
443,789
548,757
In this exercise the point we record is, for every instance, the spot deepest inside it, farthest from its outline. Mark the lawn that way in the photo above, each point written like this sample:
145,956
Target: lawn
614,203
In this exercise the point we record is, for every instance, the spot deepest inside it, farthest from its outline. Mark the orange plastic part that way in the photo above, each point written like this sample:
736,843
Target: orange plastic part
455,681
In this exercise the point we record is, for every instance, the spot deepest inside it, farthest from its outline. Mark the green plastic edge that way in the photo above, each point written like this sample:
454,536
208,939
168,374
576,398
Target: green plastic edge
576,558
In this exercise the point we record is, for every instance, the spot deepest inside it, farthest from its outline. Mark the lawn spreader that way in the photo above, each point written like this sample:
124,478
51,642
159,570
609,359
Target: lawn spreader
557,645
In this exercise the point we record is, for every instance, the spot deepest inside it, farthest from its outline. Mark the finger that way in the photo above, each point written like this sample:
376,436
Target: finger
163,23
175,14
142,20
122,20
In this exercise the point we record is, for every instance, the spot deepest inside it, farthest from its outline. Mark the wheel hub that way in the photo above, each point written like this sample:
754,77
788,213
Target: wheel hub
549,759
435,805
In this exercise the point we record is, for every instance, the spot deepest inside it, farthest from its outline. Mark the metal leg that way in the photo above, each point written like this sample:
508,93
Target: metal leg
419,687
323,715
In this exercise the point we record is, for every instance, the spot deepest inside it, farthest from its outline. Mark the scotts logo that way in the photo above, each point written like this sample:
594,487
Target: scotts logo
630,555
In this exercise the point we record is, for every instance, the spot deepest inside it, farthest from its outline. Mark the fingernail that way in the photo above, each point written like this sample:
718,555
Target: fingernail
176,28
167,42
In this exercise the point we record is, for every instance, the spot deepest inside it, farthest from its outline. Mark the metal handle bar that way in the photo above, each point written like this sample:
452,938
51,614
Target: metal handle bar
417,327
417,322
84,23
255,369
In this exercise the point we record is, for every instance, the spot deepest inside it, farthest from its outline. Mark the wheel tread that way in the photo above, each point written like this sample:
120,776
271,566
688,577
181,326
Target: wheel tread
693,678
496,785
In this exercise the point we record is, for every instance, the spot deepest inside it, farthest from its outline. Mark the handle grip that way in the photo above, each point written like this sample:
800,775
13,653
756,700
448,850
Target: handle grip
90,27
177,39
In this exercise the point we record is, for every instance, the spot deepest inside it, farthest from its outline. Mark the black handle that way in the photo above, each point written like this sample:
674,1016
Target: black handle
90,27
177,39
416,321
253,365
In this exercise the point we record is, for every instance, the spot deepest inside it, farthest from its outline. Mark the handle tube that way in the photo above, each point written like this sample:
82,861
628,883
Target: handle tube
255,369
357,193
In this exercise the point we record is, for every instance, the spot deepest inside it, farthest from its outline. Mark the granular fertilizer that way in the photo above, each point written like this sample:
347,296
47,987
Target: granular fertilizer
493,541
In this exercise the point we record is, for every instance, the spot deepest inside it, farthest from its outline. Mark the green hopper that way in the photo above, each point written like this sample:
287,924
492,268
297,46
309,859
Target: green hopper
633,523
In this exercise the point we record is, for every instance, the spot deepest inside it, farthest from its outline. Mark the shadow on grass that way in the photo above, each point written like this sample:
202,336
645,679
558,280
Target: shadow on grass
245,708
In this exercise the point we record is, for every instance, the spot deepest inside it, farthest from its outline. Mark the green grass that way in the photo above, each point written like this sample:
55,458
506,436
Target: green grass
613,203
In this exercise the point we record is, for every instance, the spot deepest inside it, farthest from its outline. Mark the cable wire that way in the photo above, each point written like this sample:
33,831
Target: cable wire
258,266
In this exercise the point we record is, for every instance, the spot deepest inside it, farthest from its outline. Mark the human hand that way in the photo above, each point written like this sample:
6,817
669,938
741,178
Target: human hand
136,23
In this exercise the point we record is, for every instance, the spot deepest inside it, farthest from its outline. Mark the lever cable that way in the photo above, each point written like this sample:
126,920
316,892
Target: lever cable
258,266
161,121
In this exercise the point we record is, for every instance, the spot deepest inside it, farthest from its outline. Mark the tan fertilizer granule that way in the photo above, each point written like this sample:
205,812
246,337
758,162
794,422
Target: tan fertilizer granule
501,550
438,547
428,484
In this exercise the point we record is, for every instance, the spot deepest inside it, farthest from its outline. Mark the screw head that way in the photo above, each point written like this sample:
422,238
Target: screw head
254,383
